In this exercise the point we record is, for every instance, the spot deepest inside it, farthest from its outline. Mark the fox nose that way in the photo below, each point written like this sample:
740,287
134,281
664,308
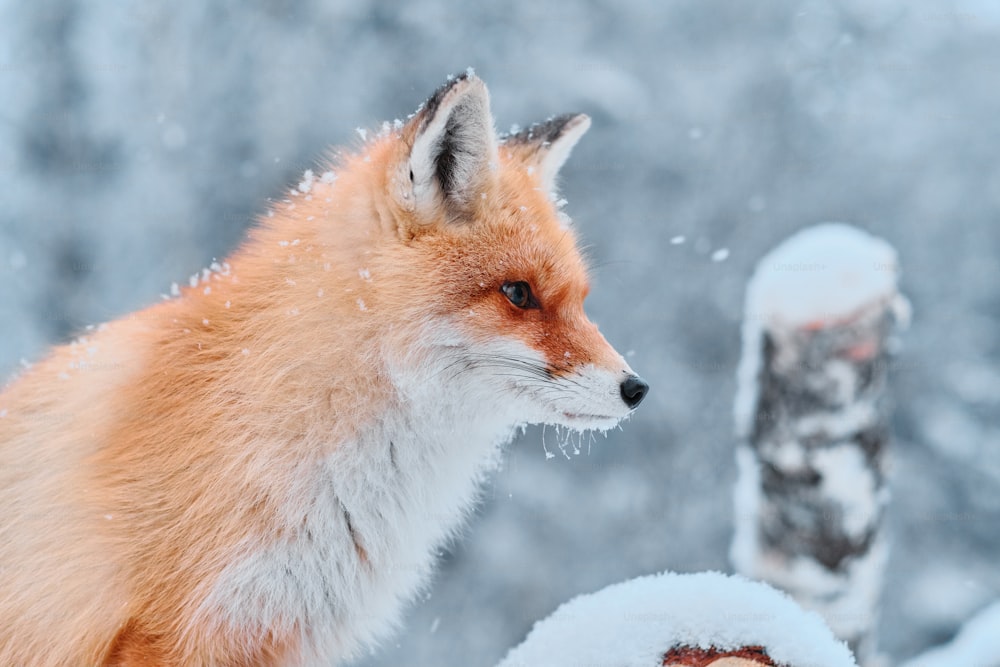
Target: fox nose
634,389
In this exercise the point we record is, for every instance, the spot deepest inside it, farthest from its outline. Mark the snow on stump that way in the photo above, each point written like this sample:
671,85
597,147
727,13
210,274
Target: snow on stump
811,412
682,620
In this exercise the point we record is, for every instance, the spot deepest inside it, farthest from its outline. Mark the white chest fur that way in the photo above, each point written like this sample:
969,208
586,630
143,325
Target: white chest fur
365,528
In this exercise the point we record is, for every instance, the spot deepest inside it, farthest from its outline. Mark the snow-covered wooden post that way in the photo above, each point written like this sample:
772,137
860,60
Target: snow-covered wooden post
811,412
682,620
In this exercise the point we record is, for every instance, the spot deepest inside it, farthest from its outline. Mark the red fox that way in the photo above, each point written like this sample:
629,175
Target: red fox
260,471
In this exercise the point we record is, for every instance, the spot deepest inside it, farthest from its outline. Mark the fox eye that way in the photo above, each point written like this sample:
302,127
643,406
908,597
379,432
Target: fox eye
519,293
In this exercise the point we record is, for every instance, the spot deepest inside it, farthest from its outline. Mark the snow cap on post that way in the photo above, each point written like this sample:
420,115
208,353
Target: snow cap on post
705,619
849,267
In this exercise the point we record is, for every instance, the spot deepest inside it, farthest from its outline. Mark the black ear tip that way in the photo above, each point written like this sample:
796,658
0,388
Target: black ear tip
456,80
577,123
549,131
466,79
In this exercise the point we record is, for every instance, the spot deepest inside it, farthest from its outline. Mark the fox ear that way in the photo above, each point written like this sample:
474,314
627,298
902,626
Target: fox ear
454,150
546,146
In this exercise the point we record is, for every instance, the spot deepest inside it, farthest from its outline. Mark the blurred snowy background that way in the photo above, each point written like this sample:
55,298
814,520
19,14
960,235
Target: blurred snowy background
138,140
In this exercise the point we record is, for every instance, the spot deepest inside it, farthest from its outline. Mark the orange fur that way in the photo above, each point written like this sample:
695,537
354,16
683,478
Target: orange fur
136,464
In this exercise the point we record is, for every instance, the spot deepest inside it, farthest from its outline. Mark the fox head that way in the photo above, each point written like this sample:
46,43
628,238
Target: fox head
458,283
493,266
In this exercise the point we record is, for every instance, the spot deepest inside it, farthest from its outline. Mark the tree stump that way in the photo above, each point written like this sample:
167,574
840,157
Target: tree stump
811,411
